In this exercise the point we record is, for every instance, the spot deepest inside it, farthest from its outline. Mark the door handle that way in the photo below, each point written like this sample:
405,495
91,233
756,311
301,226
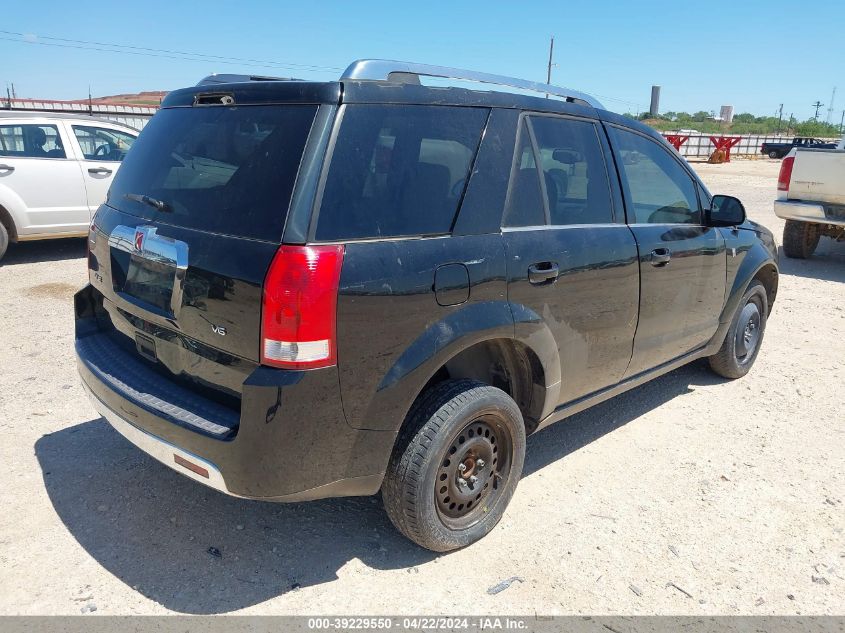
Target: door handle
99,170
6,168
541,272
660,256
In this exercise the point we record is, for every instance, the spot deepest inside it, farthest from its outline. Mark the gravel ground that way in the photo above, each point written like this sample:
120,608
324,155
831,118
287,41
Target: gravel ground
689,495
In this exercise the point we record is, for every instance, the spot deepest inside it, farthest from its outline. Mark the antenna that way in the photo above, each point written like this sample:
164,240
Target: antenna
830,109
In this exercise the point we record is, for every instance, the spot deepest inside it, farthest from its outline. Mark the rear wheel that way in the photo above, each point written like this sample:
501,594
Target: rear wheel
456,465
774,154
4,240
742,342
800,239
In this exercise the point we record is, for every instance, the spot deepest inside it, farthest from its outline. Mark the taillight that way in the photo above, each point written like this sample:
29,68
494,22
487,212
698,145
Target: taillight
298,319
785,173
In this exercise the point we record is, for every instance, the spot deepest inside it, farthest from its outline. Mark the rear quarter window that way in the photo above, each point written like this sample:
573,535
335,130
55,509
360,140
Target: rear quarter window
398,170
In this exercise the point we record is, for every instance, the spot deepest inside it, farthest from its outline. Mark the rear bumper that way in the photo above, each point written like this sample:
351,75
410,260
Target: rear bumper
805,212
292,442
163,451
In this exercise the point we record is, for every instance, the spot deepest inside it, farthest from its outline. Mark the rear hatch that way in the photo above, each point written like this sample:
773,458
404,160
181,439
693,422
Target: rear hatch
192,222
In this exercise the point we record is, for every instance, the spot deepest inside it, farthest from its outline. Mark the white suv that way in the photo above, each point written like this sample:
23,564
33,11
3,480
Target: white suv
55,170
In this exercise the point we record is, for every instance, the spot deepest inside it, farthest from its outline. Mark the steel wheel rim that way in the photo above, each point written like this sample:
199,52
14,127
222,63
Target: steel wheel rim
747,331
464,497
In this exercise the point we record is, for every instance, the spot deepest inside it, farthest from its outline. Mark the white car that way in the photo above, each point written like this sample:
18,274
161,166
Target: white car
55,170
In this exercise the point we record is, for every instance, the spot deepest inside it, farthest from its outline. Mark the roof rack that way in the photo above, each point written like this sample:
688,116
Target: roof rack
387,70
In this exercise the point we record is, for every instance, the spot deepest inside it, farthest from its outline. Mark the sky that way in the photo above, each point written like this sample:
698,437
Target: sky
703,54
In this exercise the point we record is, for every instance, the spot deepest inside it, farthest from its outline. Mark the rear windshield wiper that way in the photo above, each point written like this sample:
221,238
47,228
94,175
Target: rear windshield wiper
159,205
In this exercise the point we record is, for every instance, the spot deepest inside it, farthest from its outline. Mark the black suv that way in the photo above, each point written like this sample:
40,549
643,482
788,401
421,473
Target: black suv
302,290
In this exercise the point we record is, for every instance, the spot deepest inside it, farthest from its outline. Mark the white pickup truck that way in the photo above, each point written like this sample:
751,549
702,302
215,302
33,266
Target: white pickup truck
811,198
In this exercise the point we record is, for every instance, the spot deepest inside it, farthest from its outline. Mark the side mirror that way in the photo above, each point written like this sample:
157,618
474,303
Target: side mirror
725,211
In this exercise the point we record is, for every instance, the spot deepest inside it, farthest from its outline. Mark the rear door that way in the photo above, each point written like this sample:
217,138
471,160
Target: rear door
571,260
42,177
391,191
192,222
101,150
682,262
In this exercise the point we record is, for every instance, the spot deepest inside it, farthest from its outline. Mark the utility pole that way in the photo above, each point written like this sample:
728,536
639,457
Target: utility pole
817,105
842,121
14,96
780,116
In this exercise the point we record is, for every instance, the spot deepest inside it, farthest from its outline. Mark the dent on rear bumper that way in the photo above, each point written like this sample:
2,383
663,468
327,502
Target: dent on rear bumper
293,442
166,453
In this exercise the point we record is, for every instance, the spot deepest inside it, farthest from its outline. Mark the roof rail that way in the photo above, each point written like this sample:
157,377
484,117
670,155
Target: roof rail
387,70
225,78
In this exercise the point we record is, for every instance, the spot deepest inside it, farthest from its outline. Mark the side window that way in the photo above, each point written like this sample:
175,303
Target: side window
574,171
525,198
99,143
398,170
31,141
660,190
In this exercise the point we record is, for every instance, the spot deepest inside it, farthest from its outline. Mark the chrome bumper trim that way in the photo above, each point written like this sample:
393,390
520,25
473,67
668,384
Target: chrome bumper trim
804,212
160,449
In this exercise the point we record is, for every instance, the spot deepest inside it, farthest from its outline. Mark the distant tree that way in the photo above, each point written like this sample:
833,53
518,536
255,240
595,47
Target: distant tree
744,123
816,128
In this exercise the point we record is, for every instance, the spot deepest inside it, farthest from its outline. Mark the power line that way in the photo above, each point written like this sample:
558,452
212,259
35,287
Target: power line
163,53
160,53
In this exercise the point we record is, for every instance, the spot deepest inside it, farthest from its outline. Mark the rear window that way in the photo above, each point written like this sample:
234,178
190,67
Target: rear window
398,170
218,169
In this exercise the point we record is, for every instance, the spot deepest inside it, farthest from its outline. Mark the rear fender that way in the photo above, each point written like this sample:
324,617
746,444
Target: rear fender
450,336
12,211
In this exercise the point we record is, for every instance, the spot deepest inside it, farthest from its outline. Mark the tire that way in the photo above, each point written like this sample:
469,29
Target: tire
800,239
427,497
4,240
774,154
745,335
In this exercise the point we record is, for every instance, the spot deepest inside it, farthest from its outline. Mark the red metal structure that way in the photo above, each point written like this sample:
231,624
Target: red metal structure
725,143
677,140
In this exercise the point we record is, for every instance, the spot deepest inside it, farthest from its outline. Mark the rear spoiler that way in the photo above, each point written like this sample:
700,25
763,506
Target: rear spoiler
216,78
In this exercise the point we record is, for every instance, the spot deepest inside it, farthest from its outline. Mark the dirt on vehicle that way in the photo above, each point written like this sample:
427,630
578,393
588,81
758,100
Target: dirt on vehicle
688,495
